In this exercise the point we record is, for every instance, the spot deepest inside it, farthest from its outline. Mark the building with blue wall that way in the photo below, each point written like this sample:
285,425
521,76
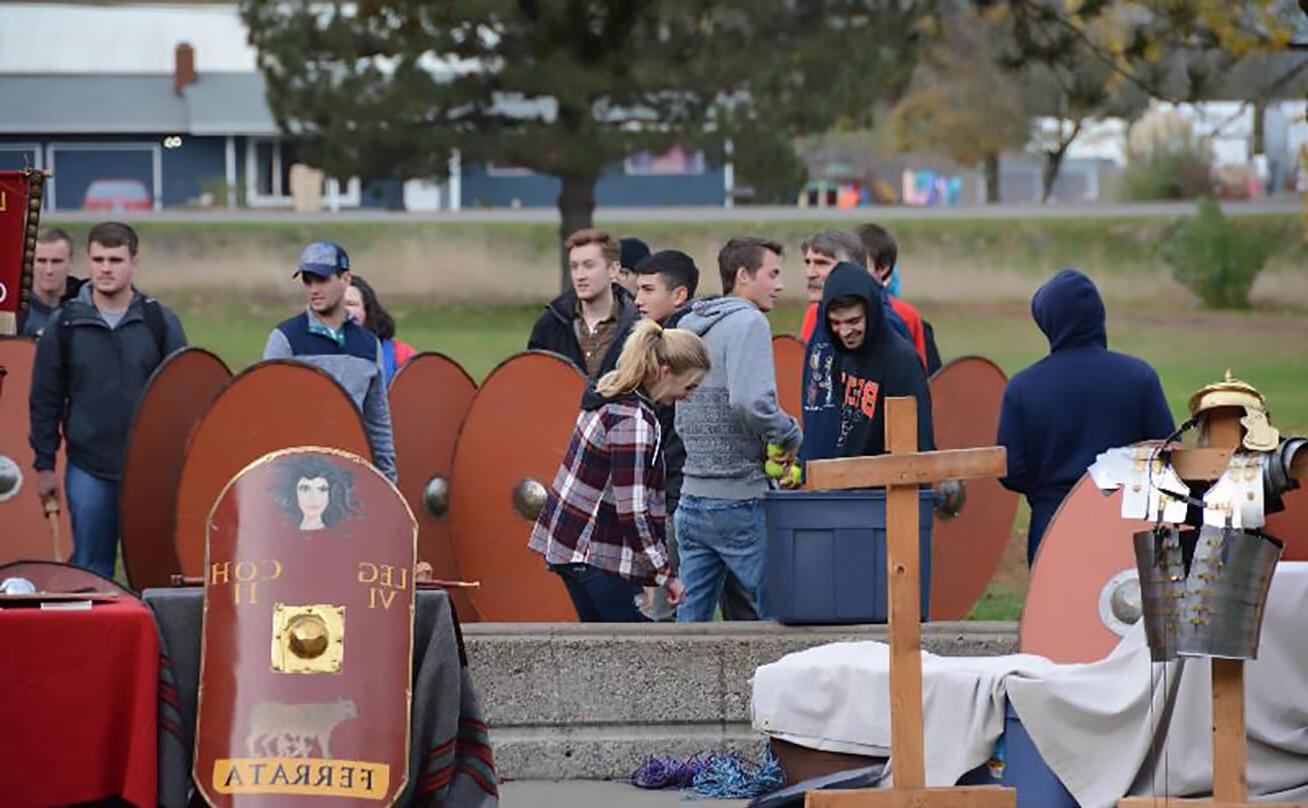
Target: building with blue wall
208,139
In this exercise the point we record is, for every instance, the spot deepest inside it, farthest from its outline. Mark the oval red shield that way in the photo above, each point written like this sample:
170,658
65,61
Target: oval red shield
268,406
27,533
965,549
788,359
308,635
1086,551
517,430
179,392
430,398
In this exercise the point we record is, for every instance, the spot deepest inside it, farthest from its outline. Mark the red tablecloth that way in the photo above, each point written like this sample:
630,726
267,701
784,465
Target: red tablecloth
78,694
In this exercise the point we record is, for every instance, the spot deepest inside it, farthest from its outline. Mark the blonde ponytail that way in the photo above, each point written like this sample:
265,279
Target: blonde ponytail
648,348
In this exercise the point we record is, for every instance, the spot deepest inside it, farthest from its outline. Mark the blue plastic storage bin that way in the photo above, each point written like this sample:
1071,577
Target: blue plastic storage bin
1023,769
826,555
1037,785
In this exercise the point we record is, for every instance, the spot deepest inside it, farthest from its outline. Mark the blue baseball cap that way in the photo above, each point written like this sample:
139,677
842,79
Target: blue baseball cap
324,259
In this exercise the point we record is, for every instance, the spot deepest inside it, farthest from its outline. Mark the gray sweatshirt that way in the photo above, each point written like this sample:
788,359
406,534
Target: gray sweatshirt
728,422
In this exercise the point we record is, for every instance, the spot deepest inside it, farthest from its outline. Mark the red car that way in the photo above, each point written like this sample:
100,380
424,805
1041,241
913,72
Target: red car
117,195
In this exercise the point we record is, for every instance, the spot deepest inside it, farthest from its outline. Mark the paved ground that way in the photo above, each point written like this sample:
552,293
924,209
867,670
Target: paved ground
761,213
596,794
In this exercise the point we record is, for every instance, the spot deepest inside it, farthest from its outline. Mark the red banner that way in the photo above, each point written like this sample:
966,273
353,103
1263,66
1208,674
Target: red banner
14,189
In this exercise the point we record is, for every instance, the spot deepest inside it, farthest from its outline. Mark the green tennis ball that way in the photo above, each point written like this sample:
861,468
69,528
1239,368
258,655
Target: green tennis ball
773,469
775,451
796,473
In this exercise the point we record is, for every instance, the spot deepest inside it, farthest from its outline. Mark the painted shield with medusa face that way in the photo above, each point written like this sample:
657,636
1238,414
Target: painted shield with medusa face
307,635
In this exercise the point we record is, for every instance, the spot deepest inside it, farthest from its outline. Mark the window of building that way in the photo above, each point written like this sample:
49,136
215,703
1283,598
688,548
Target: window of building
676,160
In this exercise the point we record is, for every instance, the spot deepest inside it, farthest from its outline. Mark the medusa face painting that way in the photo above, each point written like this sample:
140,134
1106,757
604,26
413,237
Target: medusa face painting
314,492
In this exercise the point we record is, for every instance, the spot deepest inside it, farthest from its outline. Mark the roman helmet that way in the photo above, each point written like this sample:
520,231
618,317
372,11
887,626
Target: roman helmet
1259,434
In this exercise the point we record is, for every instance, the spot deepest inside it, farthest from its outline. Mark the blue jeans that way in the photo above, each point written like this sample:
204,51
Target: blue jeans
713,536
600,596
93,509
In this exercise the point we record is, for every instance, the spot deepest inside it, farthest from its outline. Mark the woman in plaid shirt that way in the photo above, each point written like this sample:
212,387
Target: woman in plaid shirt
602,527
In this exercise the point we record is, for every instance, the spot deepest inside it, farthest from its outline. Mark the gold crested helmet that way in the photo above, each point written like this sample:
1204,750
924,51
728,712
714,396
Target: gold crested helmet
1259,434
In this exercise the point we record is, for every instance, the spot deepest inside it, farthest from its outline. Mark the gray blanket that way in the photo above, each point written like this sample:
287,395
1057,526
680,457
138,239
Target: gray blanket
450,764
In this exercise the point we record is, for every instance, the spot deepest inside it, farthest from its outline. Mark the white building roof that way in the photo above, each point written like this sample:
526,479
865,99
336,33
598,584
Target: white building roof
120,38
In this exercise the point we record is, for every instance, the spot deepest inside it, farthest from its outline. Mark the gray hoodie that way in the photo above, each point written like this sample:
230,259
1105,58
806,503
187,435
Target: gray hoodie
728,422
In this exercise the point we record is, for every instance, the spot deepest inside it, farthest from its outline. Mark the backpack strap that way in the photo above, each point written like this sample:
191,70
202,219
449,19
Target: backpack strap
154,320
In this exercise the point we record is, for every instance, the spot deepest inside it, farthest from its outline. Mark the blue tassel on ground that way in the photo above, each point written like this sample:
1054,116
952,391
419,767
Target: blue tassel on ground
710,776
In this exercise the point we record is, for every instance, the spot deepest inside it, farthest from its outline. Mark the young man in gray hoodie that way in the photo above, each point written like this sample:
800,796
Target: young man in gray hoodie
726,427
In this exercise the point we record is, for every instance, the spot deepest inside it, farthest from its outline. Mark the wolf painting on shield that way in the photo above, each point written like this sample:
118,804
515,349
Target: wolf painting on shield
314,492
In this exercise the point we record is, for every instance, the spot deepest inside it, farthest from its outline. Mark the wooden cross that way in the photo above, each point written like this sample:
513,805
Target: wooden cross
1230,783
901,472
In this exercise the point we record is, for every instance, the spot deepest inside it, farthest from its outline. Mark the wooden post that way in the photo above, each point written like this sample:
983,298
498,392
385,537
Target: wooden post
1229,747
907,755
901,472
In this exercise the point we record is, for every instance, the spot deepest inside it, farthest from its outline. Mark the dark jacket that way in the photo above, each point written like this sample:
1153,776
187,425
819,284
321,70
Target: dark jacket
556,329
1078,401
884,366
91,400
674,450
34,320
932,352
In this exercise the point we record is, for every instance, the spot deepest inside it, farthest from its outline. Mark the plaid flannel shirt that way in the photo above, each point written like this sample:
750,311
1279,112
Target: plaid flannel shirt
606,507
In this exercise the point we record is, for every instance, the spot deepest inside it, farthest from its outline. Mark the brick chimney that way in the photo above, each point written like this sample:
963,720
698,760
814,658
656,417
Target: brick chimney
183,67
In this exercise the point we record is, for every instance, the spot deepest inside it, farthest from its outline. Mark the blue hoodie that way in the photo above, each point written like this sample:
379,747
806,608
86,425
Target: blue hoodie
1078,401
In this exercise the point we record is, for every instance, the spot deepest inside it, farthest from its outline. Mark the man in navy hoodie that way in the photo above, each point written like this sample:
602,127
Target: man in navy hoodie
1082,399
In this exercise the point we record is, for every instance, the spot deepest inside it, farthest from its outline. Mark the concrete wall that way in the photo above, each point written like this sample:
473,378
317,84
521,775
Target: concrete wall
593,701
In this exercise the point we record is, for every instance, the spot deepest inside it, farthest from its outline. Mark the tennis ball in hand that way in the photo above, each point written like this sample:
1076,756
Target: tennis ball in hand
775,452
773,469
796,473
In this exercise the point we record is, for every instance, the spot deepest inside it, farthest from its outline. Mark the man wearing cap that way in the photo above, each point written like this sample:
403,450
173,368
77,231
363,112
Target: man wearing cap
326,337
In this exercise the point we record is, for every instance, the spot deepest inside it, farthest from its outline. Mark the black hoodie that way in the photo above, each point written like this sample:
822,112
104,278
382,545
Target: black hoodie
556,329
884,366
674,450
